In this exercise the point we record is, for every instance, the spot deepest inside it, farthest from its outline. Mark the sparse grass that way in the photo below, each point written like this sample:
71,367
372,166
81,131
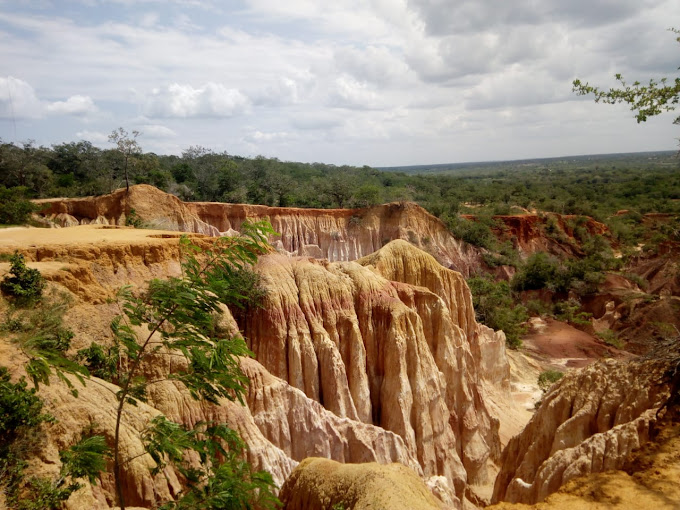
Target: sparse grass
610,338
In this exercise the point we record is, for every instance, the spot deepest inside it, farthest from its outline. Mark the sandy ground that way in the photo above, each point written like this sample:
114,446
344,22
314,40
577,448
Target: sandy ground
561,346
26,237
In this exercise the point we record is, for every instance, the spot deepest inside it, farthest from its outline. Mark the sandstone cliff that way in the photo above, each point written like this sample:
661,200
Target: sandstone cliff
333,234
350,365
385,352
589,422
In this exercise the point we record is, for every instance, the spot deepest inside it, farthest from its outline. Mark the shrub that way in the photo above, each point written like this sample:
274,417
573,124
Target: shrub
495,308
133,220
25,285
570,311
610,338
15,208
100,362
548,378
539,271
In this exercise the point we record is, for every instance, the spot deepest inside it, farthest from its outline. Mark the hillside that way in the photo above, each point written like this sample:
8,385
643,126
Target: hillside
367,349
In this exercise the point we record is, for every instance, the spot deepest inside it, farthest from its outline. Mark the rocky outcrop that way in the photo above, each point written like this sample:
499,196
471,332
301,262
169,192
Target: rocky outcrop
351,365
333,234
383,352
590,422
321,484
548,232
144,203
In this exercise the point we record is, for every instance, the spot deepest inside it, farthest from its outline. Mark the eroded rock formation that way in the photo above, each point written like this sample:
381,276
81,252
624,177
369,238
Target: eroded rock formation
352,365
322,484
590,422
384,352
333,234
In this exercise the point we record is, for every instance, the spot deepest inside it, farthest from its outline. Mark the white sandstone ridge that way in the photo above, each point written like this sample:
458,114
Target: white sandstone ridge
333,234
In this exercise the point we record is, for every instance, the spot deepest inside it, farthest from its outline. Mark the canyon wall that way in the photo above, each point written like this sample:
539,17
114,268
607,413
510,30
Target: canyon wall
333,234
351,363
589,422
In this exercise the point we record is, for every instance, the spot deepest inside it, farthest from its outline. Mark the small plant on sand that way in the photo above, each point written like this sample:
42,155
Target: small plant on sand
610,338
548,378
23,284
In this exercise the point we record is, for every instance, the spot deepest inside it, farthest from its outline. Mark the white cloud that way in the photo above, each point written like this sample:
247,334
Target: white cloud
183,101
422,80
156,131
74,105
93,136
351,93
18,99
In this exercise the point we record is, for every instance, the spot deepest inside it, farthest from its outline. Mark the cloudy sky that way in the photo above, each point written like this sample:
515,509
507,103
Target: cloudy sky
377,82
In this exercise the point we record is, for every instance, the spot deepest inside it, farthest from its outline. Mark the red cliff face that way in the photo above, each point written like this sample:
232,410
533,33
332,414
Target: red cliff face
549,232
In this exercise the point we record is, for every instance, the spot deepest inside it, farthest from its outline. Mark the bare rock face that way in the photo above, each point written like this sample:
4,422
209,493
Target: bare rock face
321,484
589,422
382,352
333,234
151,205
351,365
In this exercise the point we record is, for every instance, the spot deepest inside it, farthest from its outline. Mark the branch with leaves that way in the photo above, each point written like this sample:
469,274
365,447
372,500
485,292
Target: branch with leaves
177,316
648,100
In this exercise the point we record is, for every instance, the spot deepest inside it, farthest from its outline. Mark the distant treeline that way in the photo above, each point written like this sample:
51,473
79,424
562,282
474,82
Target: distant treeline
581,185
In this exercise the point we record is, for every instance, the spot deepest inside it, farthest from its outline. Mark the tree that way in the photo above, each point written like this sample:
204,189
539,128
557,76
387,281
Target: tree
647,100
176,317
128,147
179,315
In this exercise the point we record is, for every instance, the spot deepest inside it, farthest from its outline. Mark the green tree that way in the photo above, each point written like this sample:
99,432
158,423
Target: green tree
179,315
648,100
495,308
15,207
22,283
128,147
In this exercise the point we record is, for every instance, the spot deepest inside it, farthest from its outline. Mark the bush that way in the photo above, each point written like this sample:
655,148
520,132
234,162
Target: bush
476,232
20,408
26,285
100,362
610,338
548,378
570,311
15,208
495,308
540,271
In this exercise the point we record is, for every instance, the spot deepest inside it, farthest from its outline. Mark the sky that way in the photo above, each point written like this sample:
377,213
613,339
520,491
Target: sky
359,82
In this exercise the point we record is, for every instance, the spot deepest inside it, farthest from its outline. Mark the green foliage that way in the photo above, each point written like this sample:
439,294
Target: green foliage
570,311
179,315
476,232
15,208
85,459
21,414
540,271
133,220
101,362
43,340
548,378
223,480
610,338
23,284
20,408
495,308
646,100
